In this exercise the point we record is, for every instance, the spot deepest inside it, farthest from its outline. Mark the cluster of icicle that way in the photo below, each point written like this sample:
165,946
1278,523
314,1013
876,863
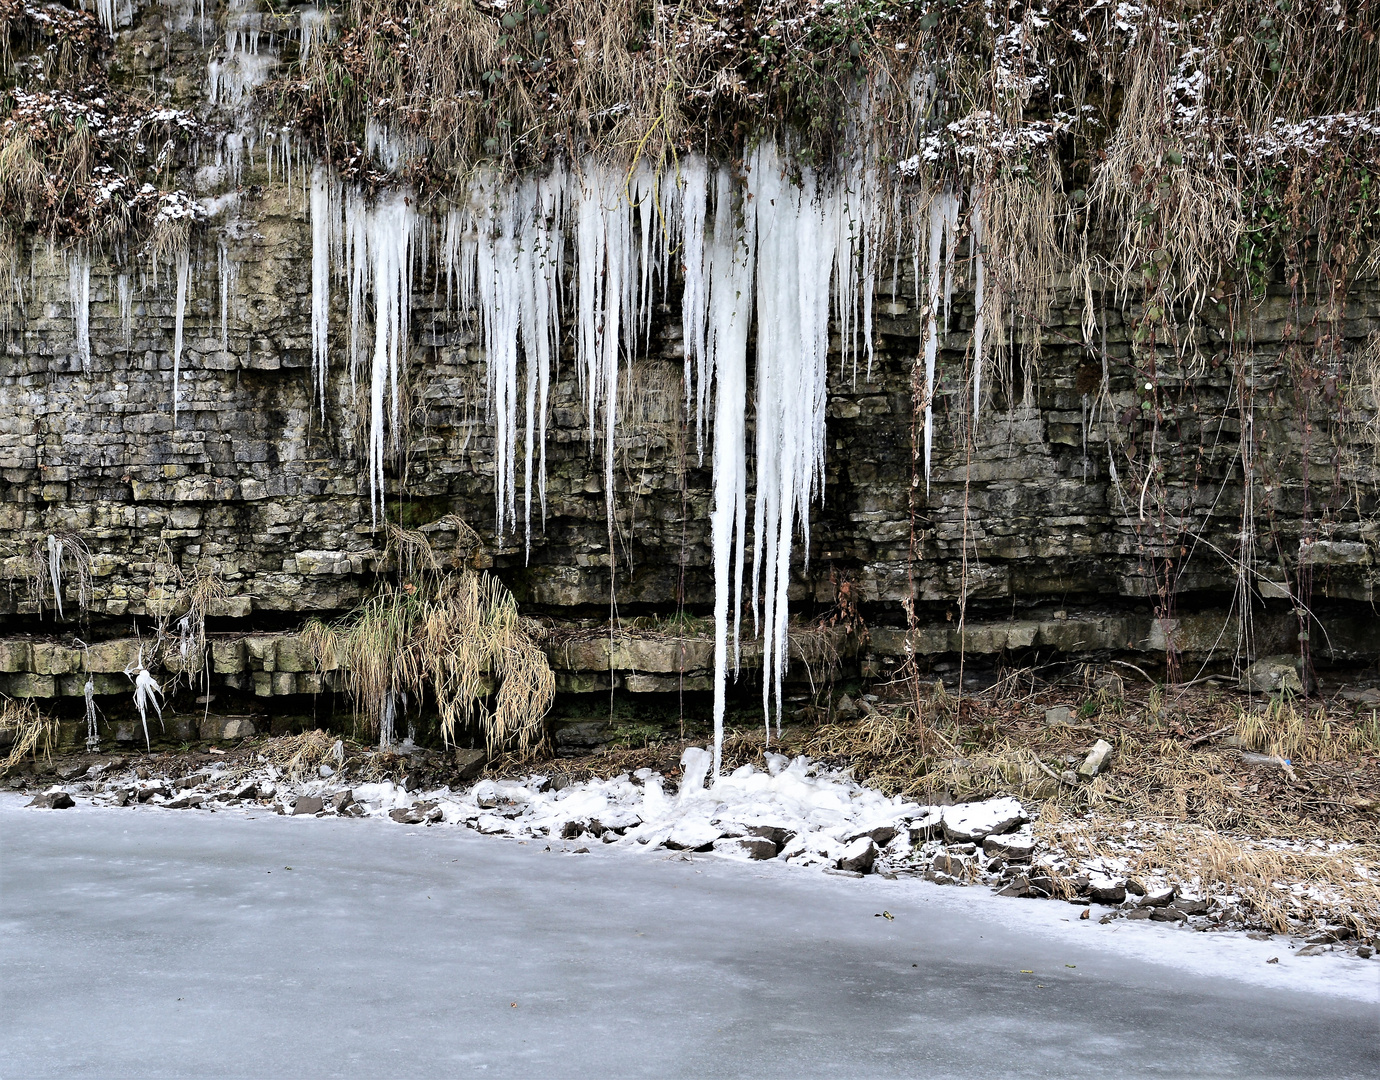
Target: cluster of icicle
787,247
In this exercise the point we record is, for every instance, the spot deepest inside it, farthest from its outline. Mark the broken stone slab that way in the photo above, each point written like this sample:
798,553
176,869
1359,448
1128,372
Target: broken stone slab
745,847
1096,760
53,800
928,826
881,835
976,821
1058,716
227,728
859,856
1105,890
693,834
951,864
1156,897
470,763
186,802
70,771
1272,674
308,804
1017,886
775,833
1013,847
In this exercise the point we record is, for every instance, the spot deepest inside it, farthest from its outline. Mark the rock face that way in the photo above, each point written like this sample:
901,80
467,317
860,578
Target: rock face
254,482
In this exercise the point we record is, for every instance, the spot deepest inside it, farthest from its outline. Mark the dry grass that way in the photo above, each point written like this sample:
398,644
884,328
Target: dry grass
31,731
304,754
457,635
1279,886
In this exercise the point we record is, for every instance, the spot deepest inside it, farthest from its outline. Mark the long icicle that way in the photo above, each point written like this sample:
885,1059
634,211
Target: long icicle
729,317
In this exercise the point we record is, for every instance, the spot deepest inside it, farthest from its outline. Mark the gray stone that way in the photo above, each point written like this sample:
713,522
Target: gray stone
777,835
1059,716
1107,893
70,771
1017,886
308,804
1154,898
1271,674
1013,847
470,763
53,800
881,835
186,802
1096,760
859,856
754,847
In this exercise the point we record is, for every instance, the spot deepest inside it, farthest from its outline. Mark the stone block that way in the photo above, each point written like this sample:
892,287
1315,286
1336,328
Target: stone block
291,654
112,657
261,651
224,728
16,655
26,684
227,655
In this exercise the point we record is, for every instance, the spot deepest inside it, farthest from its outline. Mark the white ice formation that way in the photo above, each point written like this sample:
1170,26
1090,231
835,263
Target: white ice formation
796,250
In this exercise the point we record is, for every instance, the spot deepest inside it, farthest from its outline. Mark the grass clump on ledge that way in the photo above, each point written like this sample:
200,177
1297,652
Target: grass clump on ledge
456,634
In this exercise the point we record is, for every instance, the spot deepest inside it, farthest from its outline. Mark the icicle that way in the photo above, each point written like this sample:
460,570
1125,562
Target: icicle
227,273
604,257
950,247
978,317
797,231
315,25
322,226
730,258
126,297
55,547
694,300
936,235
389,249
146,693
386,721
93,735
183,275
79,288
111,13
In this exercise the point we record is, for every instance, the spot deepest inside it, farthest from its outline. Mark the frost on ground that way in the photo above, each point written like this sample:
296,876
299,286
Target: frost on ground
806,815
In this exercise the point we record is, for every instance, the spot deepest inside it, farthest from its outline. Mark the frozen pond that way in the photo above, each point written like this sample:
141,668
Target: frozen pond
179,943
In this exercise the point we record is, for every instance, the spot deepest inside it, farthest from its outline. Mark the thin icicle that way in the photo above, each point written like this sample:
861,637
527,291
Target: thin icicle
184,272
79,288
125,295
936,236
694,309
979,320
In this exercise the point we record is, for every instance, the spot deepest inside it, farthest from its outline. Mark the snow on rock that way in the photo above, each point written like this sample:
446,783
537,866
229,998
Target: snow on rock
973,822
796,811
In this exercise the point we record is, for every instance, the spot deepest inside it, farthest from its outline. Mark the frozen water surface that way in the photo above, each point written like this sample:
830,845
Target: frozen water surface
179,943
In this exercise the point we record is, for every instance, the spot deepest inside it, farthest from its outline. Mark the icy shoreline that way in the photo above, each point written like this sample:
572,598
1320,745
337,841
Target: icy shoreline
797,812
